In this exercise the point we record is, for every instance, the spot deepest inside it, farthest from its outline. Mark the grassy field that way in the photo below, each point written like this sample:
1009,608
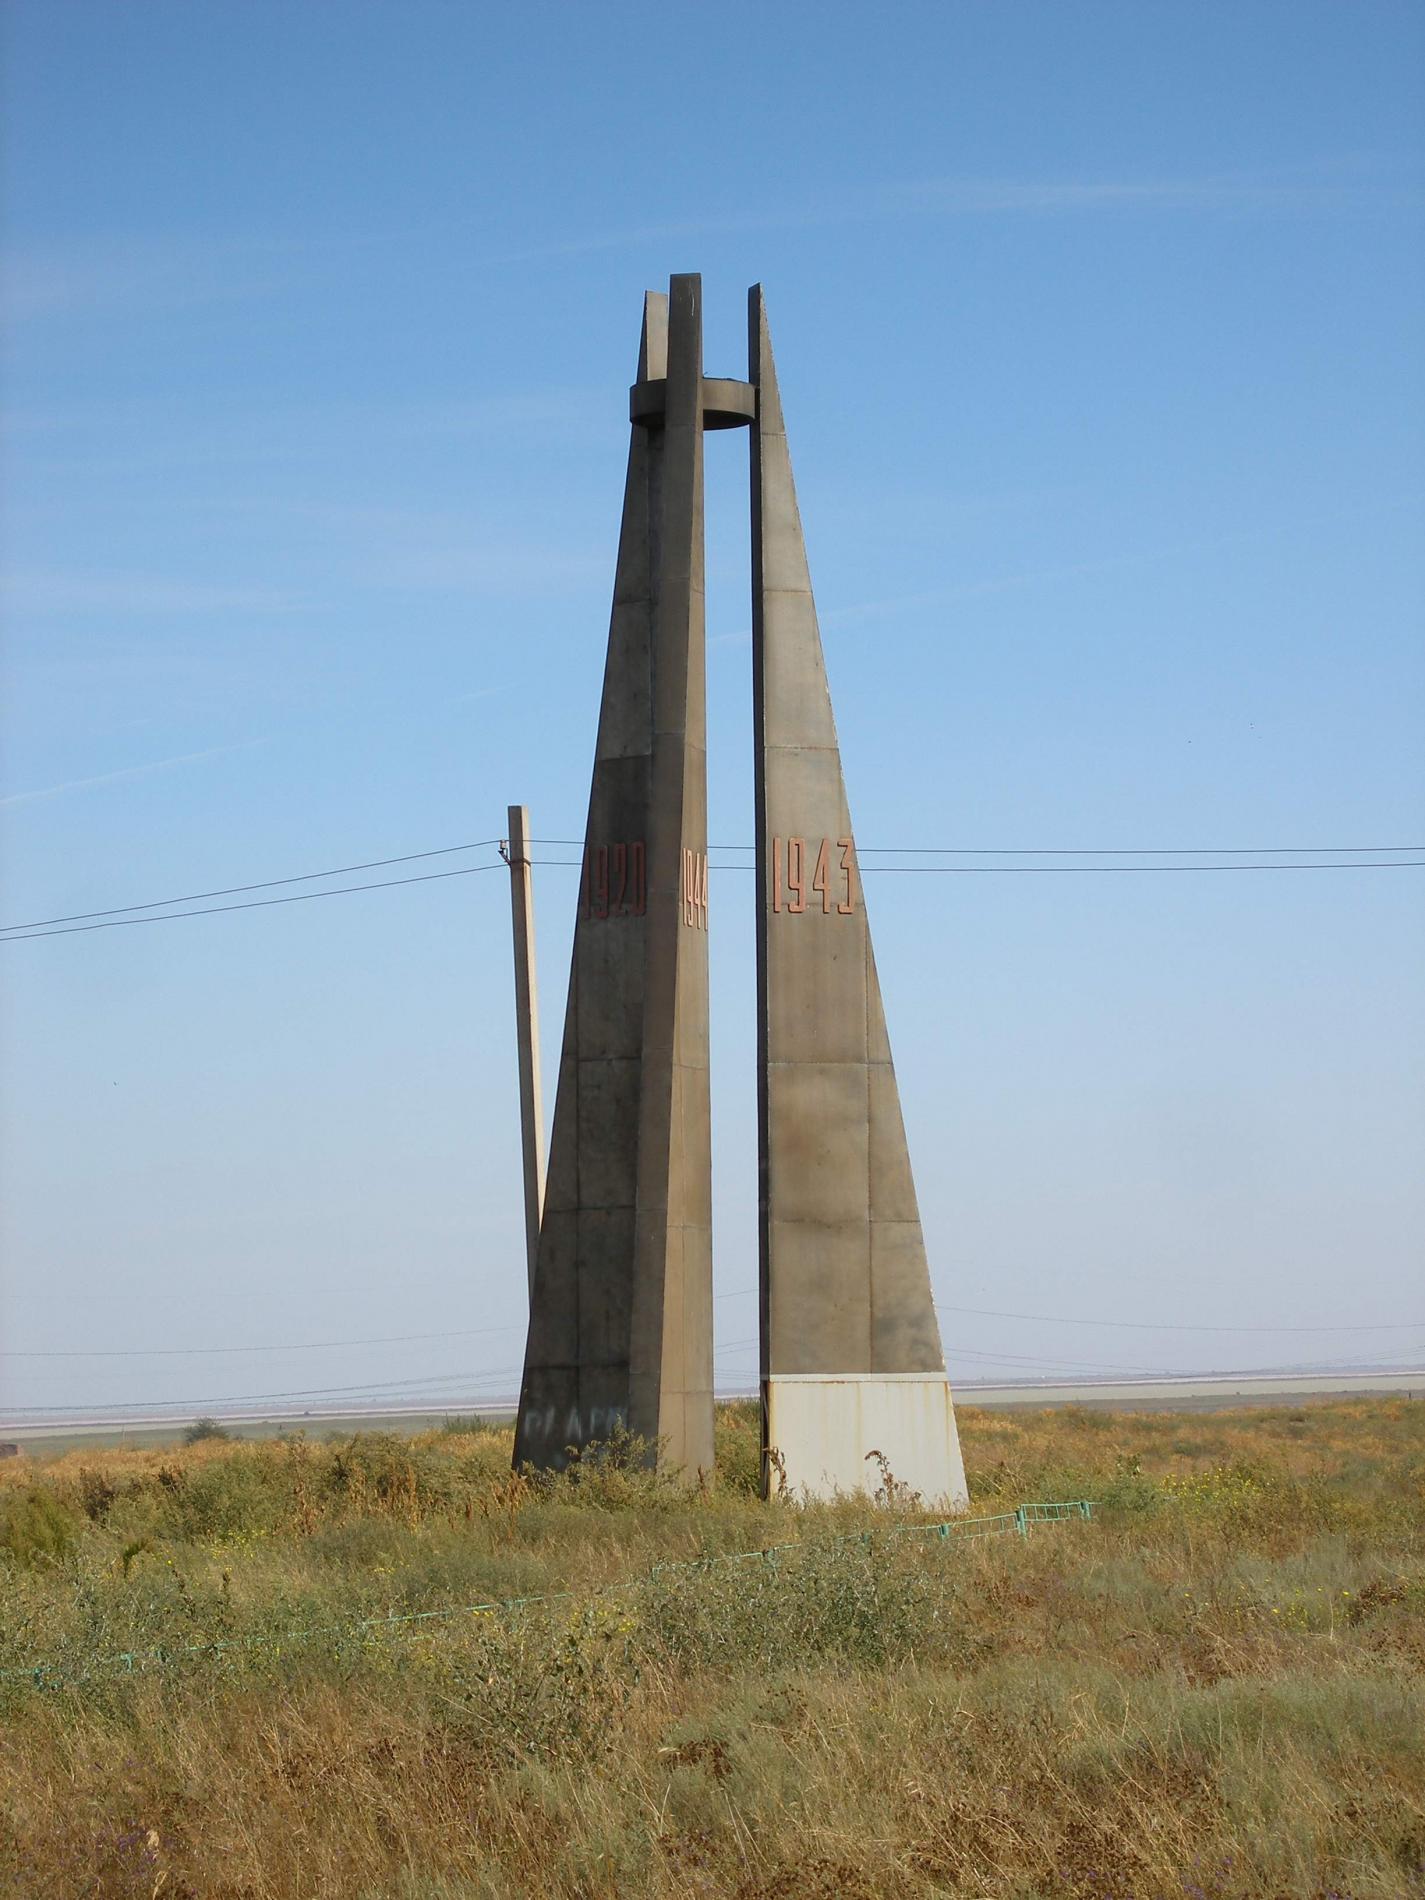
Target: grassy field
1214,1689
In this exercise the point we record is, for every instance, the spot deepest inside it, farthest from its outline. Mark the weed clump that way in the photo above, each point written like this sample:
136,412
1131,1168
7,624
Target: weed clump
460,1425
35,1528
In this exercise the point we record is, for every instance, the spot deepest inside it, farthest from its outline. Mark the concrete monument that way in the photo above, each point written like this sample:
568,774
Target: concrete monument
620,1333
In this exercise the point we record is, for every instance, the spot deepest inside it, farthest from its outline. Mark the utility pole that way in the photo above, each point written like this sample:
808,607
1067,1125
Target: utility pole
515,852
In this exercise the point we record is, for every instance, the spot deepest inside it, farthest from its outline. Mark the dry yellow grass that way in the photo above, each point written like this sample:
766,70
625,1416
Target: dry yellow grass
1214,1690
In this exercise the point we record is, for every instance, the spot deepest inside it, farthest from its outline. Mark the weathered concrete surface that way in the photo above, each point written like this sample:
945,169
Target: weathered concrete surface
671,1364
621,1312
845,1284
835,1425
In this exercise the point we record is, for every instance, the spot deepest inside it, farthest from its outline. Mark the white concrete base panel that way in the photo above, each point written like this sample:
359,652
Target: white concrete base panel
825,1425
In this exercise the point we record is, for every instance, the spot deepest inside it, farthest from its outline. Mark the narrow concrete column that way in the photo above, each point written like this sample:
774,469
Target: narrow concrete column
851,1357
670,1392
620,1320
527,1030
575,1386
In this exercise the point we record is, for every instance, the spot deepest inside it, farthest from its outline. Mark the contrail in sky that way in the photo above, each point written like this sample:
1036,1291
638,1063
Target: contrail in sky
131,771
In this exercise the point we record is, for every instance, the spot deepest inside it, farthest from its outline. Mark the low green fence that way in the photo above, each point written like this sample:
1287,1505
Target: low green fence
46,1675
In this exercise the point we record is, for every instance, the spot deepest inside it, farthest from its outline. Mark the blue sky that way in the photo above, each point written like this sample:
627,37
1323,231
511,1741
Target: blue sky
1098,330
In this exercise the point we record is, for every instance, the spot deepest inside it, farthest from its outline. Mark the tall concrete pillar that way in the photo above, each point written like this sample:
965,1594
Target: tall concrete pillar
621,1311
852,1362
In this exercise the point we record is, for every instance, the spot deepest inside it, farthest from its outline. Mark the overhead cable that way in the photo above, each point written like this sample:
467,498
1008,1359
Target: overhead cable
258,1398
425,1388
1072,870
264,884
472,1332
255,903
863,851
306,1345
1086,850
1175,1326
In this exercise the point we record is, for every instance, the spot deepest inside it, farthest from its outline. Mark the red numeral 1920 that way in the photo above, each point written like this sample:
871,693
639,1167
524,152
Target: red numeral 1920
615,880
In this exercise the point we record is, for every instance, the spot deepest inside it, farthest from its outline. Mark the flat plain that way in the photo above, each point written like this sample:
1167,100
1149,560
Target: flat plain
292,1668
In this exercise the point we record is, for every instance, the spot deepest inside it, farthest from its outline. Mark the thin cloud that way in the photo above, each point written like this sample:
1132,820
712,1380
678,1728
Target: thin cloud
137,273
996,584
128,772
140,274
999,584
988,197
136,276
44,593
235,430
1332,187
1106,564
413,550
483,572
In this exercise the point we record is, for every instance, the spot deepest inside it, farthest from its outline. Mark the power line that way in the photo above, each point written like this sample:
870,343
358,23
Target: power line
1089,870
118,918
1311,1367
1071,870
1084,851
256,903
256,1398
266,884
864,851
472,1332
309,1345
1115,850
1063,1365
500,1378
1155,1326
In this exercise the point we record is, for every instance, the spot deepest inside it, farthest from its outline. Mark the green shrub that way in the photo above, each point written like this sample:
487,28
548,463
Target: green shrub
35,1527
737,1445
862,1600
227,1497
617,1473
376,1471
204,1428
547,1687
472,1426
